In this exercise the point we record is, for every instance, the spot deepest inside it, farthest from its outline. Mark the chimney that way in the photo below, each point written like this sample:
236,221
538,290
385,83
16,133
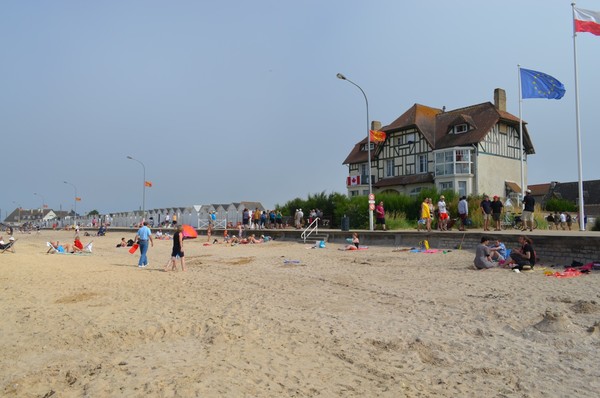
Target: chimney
375,125
500,99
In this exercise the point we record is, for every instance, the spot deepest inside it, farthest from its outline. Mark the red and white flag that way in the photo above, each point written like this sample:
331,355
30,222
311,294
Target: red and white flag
587,21
353,180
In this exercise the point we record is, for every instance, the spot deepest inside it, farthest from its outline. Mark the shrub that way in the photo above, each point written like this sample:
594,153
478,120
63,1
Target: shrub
556,204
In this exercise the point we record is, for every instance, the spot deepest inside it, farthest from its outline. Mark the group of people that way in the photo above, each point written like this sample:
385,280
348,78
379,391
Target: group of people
144,239
443,214
491,210
493,255
76,247
563,220
257,219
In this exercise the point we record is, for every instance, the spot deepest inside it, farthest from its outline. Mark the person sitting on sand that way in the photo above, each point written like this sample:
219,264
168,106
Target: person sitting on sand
483,259
77,245
498,250
4,245
122,243
234,240
523,256
226,237
353,243
252,239
56,247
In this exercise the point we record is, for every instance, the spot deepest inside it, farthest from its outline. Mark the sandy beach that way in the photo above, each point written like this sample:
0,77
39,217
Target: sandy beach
243,322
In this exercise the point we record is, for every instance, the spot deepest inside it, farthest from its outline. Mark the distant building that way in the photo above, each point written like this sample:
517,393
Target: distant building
570,191
472,150
196,215
35,216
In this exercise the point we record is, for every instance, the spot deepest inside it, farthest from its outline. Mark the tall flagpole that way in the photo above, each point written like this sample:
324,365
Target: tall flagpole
521,136
580,167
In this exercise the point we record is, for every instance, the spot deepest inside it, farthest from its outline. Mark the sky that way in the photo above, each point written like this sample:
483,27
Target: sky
229,101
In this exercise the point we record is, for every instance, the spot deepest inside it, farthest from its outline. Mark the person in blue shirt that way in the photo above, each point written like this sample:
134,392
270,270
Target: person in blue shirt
498,250
143,236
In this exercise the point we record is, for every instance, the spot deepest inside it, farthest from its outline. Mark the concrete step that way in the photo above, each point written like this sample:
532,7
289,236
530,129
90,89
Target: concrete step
314,237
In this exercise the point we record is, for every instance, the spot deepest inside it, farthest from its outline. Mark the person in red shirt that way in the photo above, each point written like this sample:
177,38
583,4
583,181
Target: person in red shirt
77,245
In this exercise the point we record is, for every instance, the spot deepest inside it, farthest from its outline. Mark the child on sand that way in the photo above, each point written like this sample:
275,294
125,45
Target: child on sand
177,251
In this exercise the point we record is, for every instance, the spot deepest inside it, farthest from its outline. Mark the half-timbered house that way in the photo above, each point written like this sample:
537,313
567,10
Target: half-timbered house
472,151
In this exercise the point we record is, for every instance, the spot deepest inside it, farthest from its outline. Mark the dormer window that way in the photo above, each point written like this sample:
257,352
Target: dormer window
461,128
365,147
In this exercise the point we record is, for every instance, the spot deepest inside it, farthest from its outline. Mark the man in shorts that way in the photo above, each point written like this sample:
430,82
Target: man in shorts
497,211
486,210
528,208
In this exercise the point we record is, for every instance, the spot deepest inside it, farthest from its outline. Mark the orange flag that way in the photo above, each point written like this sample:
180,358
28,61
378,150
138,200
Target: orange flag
148,184
377,136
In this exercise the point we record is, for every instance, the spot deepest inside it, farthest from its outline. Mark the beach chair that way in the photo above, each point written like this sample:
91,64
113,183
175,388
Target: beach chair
52,249
87,249
9,246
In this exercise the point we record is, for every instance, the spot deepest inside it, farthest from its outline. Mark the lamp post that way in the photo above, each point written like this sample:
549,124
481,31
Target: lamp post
74,205
342,77
143,189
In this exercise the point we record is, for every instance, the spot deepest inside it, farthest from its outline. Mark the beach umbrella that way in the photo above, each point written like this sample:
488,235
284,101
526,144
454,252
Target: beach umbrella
189,232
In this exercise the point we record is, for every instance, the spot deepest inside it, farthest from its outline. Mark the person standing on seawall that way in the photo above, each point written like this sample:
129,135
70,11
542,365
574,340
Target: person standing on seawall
528,208
380,217
143,236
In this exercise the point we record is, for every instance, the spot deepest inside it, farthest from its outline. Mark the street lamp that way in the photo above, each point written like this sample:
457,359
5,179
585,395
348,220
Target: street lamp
143,189
342,77
74,205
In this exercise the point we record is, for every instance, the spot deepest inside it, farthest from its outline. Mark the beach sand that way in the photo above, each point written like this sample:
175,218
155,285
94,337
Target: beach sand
243,323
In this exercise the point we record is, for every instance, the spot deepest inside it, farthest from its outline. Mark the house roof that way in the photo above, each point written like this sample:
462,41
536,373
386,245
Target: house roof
420,116
570,191
435,124
358,156
405,180
481,118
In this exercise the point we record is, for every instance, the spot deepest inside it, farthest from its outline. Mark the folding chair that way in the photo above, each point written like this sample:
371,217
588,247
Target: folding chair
9,246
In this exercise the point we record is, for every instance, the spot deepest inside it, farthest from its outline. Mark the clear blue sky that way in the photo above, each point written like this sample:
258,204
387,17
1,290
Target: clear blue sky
239,100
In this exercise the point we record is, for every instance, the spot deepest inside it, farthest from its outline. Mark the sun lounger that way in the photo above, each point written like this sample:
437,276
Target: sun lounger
9,246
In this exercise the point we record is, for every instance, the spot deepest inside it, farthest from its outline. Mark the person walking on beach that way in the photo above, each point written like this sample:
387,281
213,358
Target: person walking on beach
143,235
177,251
209,231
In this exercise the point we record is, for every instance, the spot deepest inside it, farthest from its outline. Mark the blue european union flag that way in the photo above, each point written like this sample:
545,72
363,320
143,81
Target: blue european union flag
536,84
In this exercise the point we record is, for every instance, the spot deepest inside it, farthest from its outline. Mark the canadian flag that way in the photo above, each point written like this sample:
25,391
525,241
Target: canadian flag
353,180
